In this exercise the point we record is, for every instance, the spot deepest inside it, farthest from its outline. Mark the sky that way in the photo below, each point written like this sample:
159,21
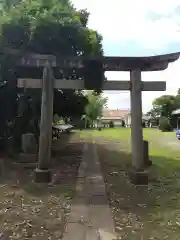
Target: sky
137,28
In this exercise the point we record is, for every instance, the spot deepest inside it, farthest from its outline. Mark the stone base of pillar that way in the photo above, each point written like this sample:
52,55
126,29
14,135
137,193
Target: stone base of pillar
138,177
42,176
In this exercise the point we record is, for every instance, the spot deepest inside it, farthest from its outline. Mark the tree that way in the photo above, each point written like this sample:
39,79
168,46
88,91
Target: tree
46,27
69,104
94,108
154,113
164,124
165,105
178,92
7,4
49,27
86,120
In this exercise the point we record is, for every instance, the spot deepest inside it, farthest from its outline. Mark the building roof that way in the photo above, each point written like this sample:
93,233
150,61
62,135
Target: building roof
114,113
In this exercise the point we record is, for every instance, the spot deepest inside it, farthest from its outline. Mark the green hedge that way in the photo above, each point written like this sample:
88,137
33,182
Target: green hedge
111,124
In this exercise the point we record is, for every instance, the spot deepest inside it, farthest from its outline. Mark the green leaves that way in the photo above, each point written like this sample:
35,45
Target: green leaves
48,27
95,106
166,104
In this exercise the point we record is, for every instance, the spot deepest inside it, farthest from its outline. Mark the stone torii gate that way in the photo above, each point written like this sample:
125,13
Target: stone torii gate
135,65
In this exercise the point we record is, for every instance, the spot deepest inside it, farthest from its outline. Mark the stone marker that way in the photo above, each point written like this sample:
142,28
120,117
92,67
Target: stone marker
147,161
29,143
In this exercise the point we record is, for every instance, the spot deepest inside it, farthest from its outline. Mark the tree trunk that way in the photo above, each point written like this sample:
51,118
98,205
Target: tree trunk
92,123
85,124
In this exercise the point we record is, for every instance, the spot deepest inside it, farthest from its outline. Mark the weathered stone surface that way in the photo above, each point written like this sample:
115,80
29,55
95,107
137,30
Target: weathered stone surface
145,63
25,165
147,161
95,189
42,176
79,211
27,158
90,217
138,177
3,236
75,231
92,234
101,215
107,236
29,143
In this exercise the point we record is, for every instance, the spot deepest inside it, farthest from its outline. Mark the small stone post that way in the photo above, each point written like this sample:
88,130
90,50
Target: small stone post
147,161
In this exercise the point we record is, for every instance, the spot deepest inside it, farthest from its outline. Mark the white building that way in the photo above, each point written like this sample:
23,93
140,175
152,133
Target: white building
127,119
114,115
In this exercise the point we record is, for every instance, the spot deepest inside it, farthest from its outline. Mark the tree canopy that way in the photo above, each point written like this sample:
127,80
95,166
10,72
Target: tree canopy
94,107
164,105
45,27
48,27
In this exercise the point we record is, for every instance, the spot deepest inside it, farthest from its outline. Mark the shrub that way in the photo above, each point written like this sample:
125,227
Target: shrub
123,123
111,124
164,124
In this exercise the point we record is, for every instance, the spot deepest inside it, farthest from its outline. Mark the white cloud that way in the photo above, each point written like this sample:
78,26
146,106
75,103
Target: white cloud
120,20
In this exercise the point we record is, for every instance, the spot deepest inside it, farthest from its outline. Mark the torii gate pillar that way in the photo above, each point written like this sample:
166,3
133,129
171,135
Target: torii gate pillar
137,173
43,172
136,120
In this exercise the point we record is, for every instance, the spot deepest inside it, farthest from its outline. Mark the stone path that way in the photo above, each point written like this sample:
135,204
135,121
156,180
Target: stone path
90,217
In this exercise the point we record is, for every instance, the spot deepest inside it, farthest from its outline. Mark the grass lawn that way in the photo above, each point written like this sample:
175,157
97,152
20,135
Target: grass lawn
124,134
163,147
151,212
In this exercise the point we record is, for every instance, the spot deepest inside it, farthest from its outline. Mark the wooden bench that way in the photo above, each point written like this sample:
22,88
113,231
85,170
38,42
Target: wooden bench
58,129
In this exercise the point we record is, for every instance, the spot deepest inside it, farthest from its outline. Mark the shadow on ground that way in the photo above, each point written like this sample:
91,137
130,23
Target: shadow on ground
39,211
148,212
